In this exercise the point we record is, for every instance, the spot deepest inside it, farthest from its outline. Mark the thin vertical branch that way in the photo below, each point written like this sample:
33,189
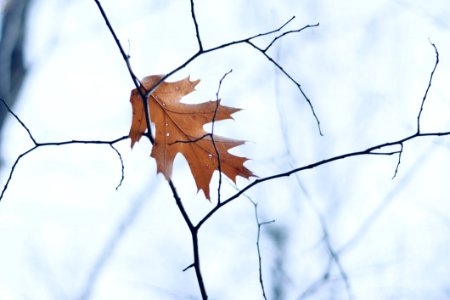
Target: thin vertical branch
428,87
219,166
258,248
194,235
398,161
122,177
259,225
197,30
198,271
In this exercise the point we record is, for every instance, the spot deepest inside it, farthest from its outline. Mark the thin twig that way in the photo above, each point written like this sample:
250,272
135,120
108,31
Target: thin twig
38,145
197,31
122,166
219,167
364,227
188,267
18,120
258,248
258,237
286,33
428,87
311,107
399,161
11,172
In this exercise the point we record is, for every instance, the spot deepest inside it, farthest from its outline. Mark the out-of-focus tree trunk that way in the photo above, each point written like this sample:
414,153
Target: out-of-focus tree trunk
12,65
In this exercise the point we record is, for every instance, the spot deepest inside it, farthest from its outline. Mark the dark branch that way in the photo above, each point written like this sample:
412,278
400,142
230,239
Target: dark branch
181,206
399,160
197,31
122,166
248,41
219,166
258,248
126,58
188,267
293,80
259,224
369,151
38,145
428,87
194,236
18,120
5,187
286,33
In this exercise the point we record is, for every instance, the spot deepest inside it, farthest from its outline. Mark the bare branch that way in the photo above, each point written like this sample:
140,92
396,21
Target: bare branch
18,120
38,145
293,81
428,87
188,267
374,150
369,151
219,167
286,33
247,40
181,206
5,187
136,81
259,224
399,160
197,31
258,248
194,235
387,199
122,166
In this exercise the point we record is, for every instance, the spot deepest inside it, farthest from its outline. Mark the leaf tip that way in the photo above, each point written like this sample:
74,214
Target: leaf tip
192,82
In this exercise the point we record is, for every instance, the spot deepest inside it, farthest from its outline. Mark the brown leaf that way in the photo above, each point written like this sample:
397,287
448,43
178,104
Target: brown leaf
179,129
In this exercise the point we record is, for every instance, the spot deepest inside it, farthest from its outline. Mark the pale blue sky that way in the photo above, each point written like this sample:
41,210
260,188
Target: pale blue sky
365,69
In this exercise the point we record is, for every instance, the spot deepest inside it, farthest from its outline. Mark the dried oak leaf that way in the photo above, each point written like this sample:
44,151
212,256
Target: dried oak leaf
179,129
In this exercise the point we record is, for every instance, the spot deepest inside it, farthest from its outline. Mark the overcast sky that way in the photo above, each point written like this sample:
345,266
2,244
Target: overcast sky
365,69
